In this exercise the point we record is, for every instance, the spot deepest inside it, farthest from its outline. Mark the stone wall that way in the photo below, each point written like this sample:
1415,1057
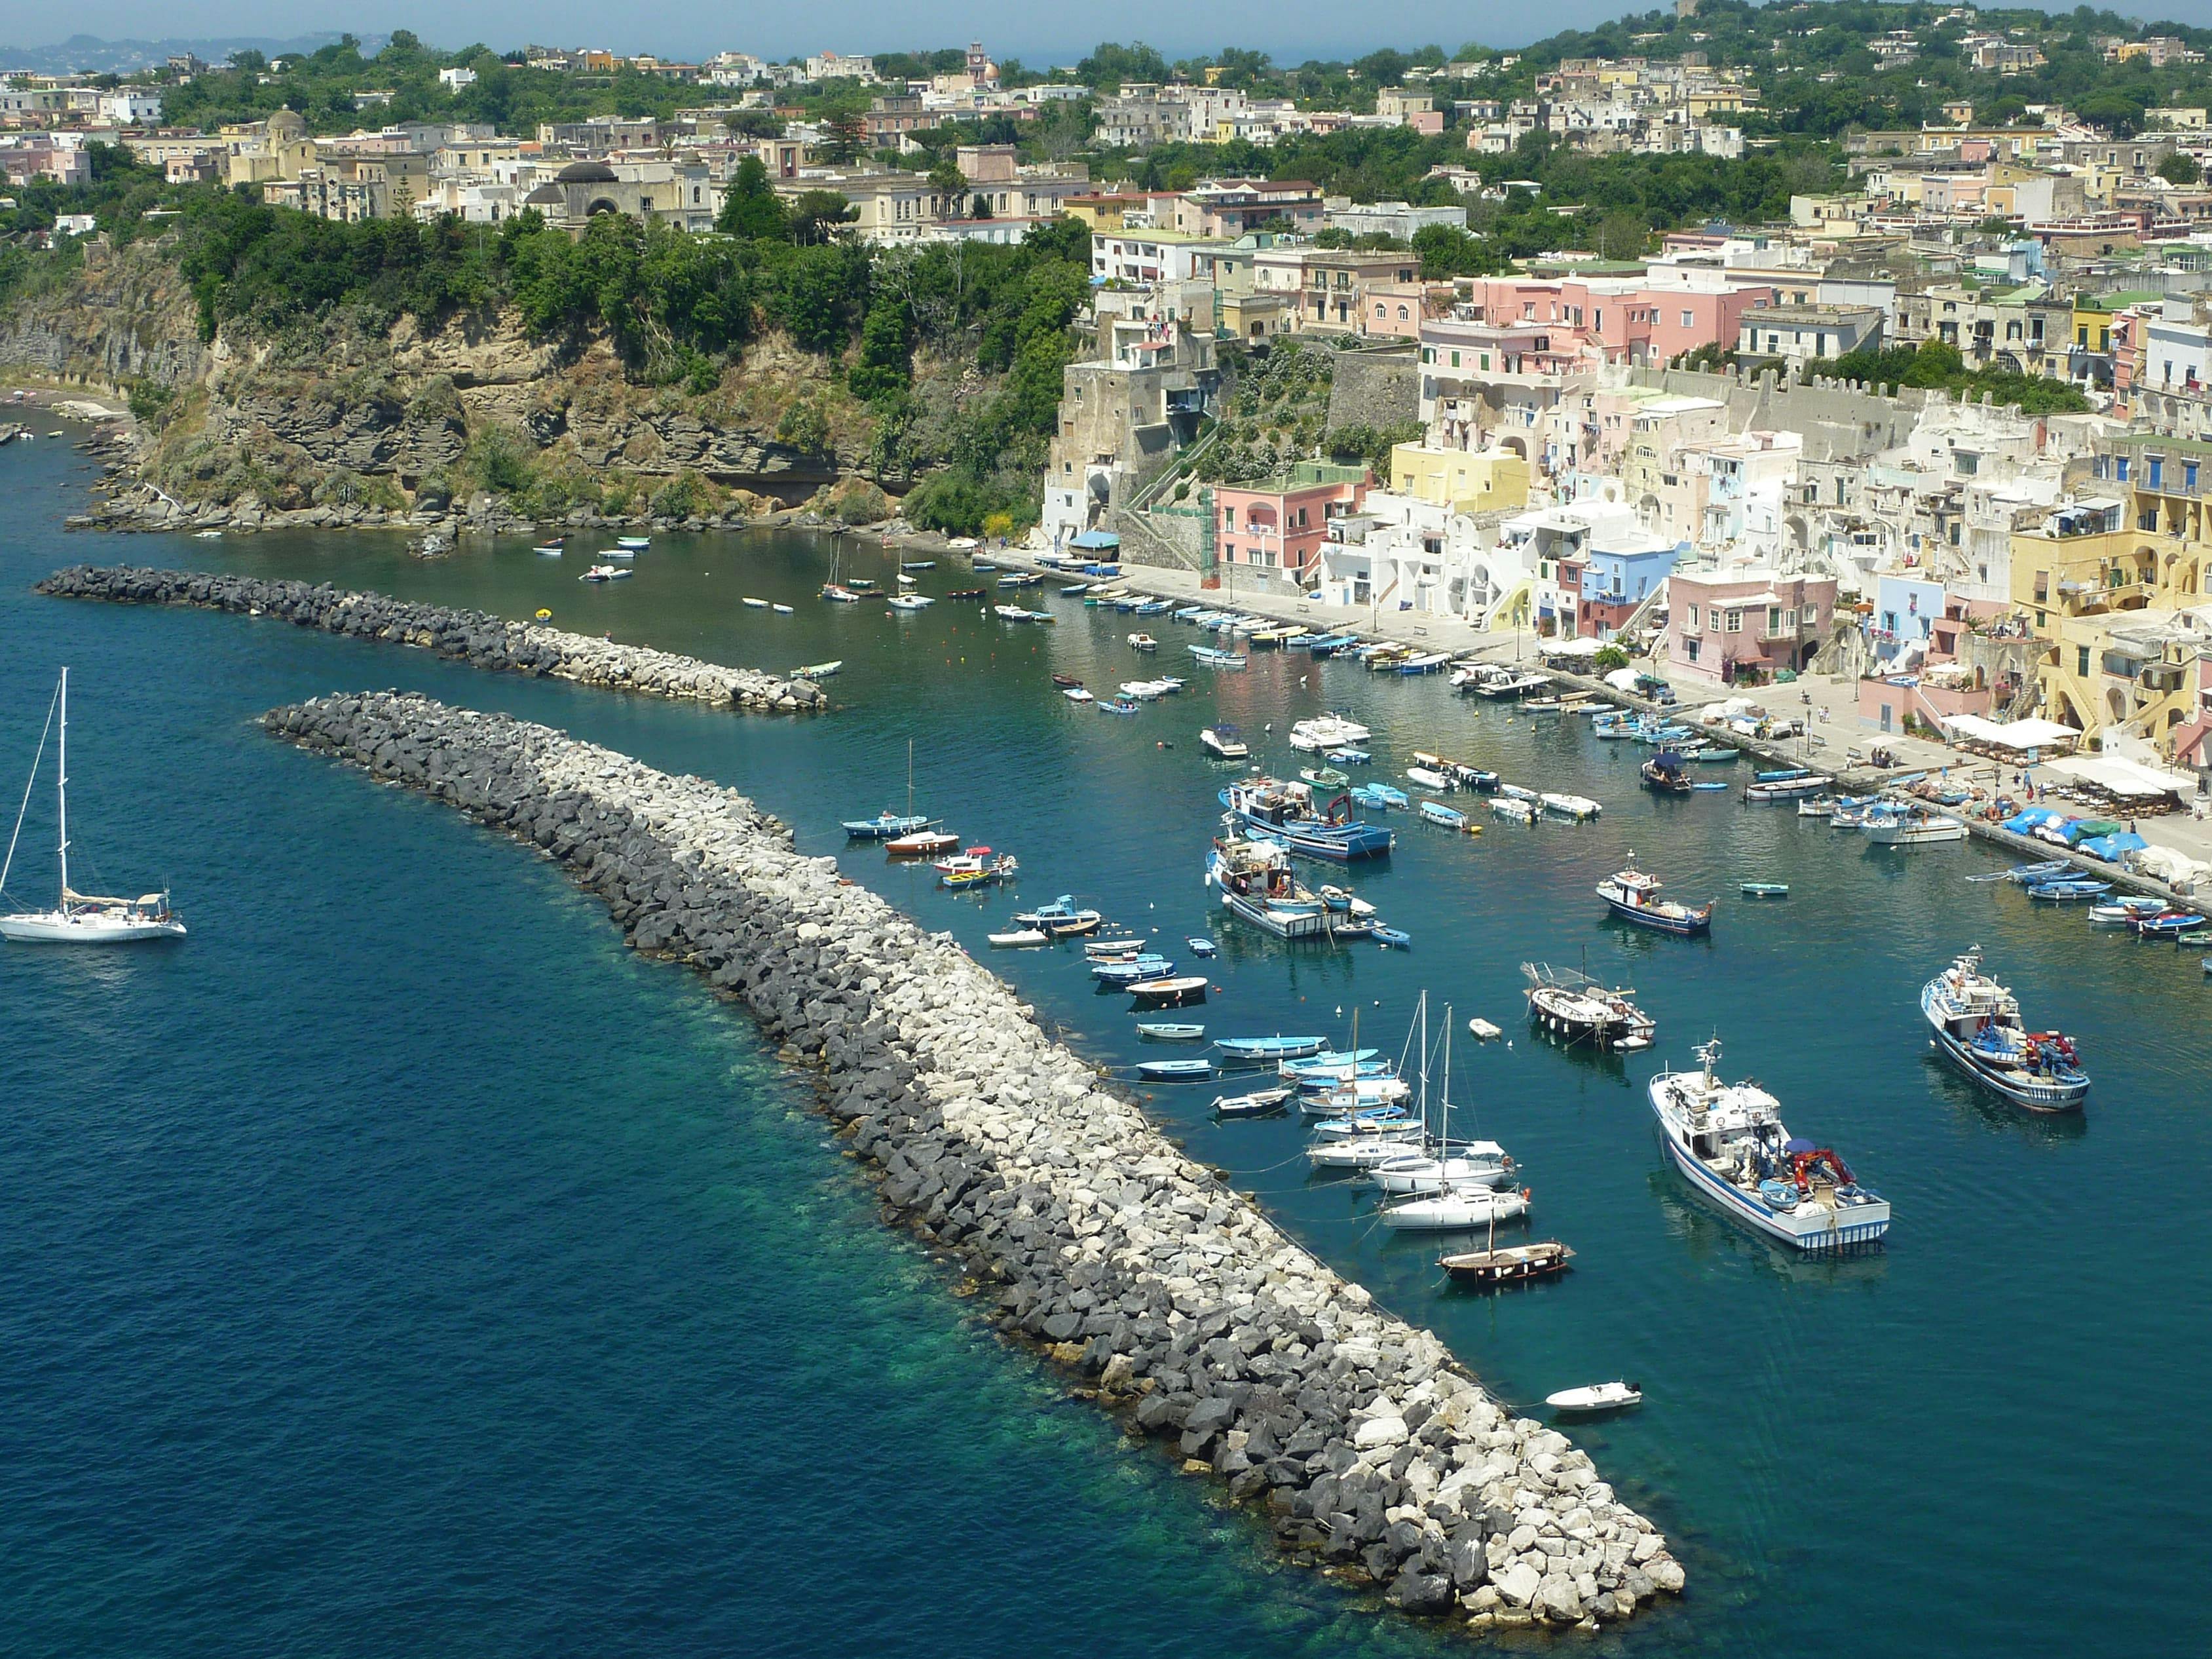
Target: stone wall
476,638
1369,1446
1375,388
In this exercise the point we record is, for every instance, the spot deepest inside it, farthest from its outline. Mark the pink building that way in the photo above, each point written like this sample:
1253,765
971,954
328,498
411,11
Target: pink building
1278,524
1739,624
1628,319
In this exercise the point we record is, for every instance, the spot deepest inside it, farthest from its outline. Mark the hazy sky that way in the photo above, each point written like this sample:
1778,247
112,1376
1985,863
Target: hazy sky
1290,29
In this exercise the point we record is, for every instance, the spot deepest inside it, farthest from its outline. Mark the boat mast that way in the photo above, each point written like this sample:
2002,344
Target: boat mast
61,788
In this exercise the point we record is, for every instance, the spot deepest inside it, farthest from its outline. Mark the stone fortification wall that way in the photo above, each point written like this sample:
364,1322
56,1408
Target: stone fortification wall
476,638
1369,1445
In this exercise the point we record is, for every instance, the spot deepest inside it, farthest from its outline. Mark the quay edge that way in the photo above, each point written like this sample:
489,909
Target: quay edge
1370,1448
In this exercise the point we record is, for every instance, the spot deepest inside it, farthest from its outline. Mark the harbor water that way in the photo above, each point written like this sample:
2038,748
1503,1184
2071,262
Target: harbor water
398,1263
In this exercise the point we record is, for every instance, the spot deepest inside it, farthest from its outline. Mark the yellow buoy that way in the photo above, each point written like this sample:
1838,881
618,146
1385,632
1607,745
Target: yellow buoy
544,616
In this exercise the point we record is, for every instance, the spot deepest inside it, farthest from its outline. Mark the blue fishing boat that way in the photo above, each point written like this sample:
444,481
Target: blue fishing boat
1349,757
1130,971
1781,775
2168,924
1380,797
2029,874
1263,1049
1327,644
1444,817
1286,812
1335,1065
1117,706
1396,938
1202,946
2067,890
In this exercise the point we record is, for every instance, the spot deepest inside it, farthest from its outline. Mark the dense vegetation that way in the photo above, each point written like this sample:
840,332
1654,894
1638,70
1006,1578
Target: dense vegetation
1934,364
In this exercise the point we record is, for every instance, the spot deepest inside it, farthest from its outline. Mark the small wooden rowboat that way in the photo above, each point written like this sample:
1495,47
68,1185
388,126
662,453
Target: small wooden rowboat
1510,1265
1162,993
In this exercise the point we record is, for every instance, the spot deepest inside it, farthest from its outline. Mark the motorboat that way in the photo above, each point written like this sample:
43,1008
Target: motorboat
1914,826
1787,789
1663,774
1061,918
601,573
781,610
1763,889
818,670
1597,1397
1077,694
1578,1009
1325,732
1118,705
920,843
1729,1141
1224,742
1025,938
1141,642
78,919
1580,808
752,604
1978,1028
1428,778
634,544
1506,806
977,869
1634,897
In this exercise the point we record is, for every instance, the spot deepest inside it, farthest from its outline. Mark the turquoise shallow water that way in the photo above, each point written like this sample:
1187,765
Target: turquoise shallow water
398,1263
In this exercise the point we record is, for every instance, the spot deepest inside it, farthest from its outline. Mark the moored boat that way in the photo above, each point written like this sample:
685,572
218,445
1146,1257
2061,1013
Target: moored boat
1573,1006
1224,741
1634,897
1287,813
1597,1397
1729,1141
1175,1070
1978,1027
1509,1266
1169,992
1259,1103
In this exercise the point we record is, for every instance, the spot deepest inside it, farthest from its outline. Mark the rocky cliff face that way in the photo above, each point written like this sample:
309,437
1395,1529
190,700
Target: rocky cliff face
128,316
358,422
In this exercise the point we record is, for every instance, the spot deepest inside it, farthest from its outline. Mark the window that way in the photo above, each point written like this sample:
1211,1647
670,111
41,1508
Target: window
1689,320
1454,359
2081,660
1735,621
1229,550
1773,621
1790,620
2120,465
1690,650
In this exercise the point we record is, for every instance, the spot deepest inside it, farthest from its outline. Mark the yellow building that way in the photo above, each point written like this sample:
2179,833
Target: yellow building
1466,481
2111,585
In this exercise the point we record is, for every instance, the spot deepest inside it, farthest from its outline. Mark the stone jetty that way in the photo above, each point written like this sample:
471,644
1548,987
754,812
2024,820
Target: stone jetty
1371,1450
477,637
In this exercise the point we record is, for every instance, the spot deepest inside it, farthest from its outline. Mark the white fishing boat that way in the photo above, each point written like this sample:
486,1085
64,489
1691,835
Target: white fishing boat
780,610
1978,1028
752,604
78,919
1504,806
1025,938
1077,694
1727,1139
1428,779
1143,642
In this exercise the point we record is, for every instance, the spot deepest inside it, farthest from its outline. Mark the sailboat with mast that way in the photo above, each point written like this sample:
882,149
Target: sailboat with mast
887,824
78,919
1456,1203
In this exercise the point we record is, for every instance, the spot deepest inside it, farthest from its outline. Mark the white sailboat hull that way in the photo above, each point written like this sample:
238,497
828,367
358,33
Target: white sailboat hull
55,927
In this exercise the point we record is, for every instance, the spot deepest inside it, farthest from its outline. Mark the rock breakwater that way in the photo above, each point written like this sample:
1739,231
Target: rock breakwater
1370,1447
476,638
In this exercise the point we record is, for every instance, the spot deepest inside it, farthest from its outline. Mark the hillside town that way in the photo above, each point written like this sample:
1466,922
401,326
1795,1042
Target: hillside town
1940,424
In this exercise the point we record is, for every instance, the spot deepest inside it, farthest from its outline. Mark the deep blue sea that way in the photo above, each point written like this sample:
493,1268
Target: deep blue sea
398,1265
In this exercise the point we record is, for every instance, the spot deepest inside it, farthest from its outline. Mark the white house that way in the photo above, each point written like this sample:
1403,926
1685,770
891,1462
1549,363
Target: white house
457,77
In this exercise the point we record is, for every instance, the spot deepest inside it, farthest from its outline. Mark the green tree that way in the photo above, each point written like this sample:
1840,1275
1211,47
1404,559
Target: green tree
2180,169
844,136
885,367
751,208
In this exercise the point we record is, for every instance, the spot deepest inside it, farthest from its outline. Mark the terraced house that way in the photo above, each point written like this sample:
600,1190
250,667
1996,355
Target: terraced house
2113,583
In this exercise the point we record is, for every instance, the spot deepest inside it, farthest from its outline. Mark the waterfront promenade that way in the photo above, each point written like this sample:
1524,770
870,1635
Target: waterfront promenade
1827,703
